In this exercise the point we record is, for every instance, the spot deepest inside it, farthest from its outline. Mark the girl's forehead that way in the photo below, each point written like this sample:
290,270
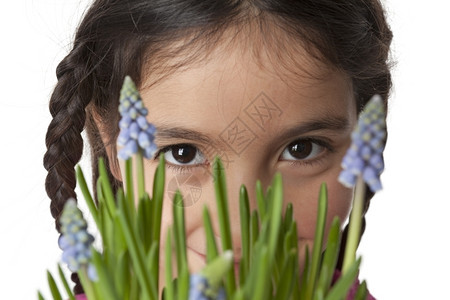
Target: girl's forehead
260,93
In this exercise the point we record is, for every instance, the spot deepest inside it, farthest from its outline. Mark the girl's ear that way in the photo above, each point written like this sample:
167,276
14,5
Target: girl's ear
110,144
115,166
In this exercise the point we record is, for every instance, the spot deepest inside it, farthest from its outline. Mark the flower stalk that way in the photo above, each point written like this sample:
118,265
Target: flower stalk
354,231
362,165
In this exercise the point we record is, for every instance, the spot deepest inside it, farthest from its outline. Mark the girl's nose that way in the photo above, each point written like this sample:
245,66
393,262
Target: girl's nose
238,173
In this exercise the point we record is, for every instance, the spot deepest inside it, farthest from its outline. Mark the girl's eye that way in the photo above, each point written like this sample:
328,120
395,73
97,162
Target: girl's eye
302,150
183,154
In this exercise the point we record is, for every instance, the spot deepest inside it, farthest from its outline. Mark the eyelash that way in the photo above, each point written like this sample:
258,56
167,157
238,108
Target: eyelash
175,168
328,148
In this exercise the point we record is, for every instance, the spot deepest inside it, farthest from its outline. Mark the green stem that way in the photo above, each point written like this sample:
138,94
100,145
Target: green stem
129,183
354,225
140,174
88,287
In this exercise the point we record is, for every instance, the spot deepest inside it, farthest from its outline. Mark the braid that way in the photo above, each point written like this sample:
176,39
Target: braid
63,140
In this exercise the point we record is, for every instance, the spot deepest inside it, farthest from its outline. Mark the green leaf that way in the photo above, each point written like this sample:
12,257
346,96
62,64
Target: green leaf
158,197
157,204
122,275
153,263
116,237
254,231
305,276
211,246
106,187
40,297
275,213
150,291
183,284
239,295
53,287
318,241
179,232
216,269
224,219
169,288
341,287
244,211
361,292
144,222
288,216
81,181
288,276
297,280
105,284
330,257
65,284
260,200
262,282
275,205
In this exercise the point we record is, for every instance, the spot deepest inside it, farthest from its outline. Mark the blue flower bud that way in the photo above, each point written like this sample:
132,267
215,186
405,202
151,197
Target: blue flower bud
142,122
144,139
75,241
134,130
151,129
123,137
133,113
63,242
200,289
198,284
130,148
150,151
347,178
125,122
376,161
136,133
92,272
364,157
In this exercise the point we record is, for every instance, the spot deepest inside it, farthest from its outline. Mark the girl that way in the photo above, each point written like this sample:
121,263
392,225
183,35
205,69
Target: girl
270,86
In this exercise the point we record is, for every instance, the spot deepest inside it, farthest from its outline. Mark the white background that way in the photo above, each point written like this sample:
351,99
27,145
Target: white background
406,248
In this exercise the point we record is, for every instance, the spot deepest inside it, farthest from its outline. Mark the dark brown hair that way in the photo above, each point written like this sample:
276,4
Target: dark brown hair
118,37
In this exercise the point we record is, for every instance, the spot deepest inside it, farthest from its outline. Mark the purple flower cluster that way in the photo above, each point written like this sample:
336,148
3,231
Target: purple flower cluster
365,155
75,241
199,289
135,132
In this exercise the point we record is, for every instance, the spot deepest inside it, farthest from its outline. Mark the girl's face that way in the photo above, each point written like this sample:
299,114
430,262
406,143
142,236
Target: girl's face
260,118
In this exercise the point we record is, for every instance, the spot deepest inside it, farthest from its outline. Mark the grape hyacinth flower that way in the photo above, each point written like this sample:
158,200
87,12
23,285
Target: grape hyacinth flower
363,164
364,157
206,284
75,241
200,289
135,132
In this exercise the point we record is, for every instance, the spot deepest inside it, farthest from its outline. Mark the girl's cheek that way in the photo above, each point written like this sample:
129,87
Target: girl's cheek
305,194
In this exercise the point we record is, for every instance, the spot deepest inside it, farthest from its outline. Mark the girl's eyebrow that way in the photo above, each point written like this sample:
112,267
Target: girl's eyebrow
185,134
329,123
